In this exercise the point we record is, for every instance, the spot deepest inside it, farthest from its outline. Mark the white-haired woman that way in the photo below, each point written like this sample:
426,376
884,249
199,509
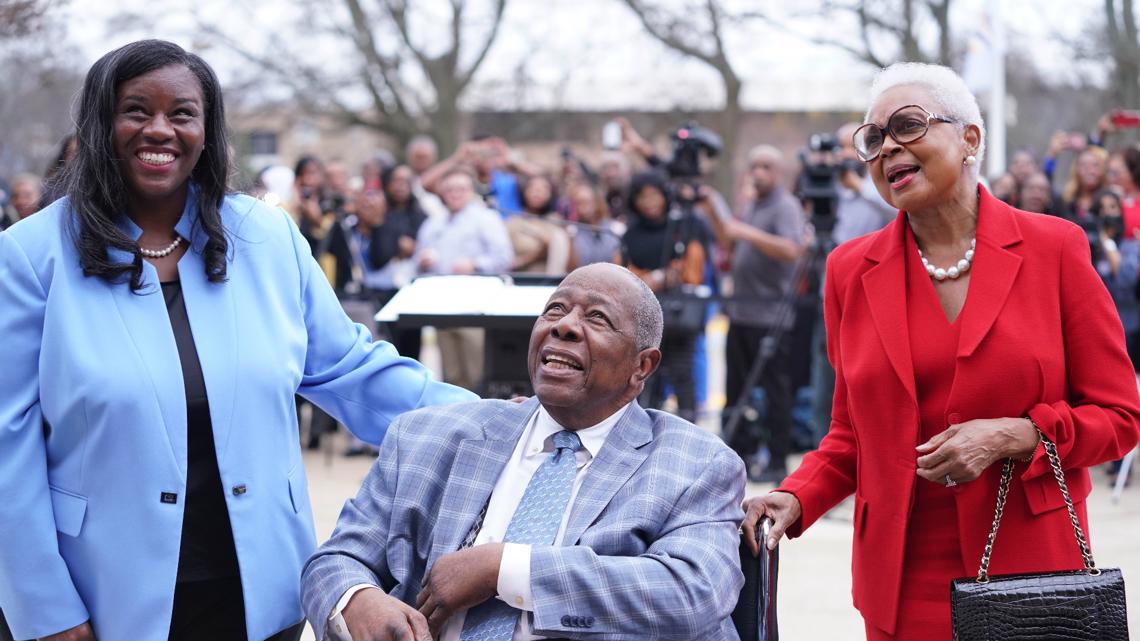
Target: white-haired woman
961,335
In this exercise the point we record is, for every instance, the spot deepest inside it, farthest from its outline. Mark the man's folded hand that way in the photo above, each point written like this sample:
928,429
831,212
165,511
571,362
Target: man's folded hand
372,615
459,581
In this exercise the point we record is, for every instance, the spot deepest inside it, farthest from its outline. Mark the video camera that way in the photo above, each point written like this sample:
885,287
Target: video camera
689,142
819,179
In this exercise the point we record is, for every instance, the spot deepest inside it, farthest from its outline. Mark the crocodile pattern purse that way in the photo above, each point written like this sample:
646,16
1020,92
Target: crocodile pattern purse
1076,605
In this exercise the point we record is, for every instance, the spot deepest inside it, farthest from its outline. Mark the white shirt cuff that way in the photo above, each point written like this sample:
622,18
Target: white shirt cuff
337,630
514,577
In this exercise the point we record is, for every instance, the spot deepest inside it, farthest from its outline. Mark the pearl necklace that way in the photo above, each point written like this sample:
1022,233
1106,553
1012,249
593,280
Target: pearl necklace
161,253
953,272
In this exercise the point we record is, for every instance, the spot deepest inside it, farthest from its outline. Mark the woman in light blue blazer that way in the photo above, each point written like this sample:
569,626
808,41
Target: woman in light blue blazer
155,332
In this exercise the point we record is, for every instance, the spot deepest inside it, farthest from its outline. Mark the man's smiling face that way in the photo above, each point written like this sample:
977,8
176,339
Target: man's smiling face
584,360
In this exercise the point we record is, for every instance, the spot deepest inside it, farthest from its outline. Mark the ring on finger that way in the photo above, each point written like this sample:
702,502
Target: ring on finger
950,482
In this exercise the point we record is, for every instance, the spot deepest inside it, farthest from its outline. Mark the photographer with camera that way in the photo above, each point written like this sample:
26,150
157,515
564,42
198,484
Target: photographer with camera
666,246
765,243
668,243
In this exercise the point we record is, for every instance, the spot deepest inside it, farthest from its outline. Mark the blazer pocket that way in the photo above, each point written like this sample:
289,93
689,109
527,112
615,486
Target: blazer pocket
69,511
298,493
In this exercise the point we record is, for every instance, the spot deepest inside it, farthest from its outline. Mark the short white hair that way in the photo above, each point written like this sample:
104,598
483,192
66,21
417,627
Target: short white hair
946,87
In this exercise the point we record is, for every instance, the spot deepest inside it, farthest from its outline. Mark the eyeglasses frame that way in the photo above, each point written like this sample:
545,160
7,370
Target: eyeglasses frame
884,131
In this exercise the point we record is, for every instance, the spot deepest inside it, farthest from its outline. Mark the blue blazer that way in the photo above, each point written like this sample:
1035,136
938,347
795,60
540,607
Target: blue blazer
651,549
93,419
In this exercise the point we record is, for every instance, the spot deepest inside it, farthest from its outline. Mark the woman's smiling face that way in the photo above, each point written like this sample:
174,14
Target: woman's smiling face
923,173
160,131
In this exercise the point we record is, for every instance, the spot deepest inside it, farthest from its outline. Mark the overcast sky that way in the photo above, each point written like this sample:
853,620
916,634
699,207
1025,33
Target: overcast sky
593,54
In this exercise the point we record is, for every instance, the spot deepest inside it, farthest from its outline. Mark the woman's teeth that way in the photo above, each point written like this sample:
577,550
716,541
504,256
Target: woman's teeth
151,158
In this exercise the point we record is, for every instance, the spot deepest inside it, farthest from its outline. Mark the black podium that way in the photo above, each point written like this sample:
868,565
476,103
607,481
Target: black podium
505,307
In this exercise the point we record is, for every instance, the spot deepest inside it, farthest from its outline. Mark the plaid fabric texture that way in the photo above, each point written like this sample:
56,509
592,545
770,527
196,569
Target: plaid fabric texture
650,549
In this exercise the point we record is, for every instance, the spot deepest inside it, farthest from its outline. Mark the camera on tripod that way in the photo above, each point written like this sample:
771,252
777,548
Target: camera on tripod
690,142
820,179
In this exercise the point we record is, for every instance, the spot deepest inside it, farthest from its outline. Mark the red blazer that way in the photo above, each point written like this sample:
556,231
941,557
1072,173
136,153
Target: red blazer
1039,337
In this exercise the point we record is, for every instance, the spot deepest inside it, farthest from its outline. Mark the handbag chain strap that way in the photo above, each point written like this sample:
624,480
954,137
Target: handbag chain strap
1003,493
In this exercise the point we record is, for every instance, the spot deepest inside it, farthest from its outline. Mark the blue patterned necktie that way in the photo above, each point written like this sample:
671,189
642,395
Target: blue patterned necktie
535,522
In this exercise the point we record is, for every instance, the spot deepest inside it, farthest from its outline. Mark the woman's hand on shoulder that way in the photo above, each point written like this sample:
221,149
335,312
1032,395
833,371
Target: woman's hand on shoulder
964,450
81,632
782,507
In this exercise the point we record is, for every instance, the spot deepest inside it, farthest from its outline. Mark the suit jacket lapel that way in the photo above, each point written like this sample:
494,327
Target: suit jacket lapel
994,271
146,320
619,457
884,285
476,468
213,323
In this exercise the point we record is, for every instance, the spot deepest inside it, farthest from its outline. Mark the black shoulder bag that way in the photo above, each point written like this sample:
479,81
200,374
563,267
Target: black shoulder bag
1075,605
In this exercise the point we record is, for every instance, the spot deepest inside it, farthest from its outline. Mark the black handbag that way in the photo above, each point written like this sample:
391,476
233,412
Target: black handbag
1074,605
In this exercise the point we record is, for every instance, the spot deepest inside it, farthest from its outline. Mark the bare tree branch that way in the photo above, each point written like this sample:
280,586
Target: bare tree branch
666,35
668,31
399,107
399,12
465,78
20,18
875,20
867,54
366,45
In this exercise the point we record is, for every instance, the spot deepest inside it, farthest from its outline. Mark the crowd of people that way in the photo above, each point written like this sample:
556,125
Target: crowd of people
153,481
486,210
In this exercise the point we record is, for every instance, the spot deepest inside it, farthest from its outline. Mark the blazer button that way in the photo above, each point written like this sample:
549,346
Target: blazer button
954,418
239,489
589,622
566,621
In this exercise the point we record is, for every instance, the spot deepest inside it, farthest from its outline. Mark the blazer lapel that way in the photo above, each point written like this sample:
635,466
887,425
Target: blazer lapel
147,322
213,323
476,468
994,271
619,457
884,285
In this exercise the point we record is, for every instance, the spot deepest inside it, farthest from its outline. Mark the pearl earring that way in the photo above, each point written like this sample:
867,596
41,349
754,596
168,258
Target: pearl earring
970,161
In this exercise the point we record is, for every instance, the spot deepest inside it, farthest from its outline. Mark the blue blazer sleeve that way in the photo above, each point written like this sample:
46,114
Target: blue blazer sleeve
33,576
365,385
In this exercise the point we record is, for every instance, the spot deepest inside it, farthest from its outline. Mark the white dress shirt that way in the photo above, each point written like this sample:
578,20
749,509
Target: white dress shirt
534,447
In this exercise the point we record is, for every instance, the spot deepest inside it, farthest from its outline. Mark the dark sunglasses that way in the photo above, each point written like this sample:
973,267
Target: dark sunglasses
907,124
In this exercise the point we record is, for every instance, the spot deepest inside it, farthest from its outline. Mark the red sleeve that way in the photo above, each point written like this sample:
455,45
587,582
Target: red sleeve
1100,420
827,475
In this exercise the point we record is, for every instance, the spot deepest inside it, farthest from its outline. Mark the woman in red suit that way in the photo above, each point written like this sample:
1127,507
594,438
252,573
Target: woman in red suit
961,334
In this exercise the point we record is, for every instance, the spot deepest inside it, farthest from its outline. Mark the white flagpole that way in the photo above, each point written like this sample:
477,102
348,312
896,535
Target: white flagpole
995,146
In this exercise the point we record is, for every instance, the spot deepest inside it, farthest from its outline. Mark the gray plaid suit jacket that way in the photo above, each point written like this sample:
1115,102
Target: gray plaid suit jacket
650,549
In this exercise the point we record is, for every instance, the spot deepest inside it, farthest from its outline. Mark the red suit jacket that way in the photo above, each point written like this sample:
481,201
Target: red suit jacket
1039,337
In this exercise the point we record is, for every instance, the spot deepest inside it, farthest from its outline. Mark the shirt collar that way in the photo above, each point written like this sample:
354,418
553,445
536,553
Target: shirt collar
592,437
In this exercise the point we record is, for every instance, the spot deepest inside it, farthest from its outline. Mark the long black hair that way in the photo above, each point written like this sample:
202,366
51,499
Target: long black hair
386,176
53,177
95,185
650,180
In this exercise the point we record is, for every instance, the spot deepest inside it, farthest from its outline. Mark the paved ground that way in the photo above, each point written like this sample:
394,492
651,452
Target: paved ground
815,573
